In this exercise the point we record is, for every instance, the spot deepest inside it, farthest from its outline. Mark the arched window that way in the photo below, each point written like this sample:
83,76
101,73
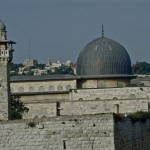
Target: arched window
60,88
51,88
21,89
115,98
41,89
68,87
97,99
80,99
31,89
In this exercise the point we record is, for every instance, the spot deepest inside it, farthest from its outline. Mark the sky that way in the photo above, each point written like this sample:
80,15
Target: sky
60,29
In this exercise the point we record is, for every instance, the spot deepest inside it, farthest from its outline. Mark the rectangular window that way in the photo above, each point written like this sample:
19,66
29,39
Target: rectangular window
64,144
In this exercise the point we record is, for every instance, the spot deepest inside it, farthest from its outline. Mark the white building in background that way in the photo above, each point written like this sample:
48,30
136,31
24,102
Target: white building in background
30,62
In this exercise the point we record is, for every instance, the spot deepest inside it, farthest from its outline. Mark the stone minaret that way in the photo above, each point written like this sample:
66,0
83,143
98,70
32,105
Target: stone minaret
6,54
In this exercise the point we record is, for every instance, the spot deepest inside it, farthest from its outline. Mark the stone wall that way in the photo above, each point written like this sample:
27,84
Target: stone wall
90,132
99,106
84,132
41,109
132,136
42,86
4,91
44,97
85,107
111,93
102,83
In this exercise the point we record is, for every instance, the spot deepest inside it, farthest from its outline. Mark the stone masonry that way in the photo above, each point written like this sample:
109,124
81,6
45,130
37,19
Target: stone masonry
4,91
86,132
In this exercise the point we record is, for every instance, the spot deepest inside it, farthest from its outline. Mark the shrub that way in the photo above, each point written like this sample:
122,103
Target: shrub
139,116
18,108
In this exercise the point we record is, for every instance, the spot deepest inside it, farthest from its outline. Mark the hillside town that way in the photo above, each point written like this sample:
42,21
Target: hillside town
31,67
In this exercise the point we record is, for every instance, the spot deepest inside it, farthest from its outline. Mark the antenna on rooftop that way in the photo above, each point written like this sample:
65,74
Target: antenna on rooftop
29,48
102,31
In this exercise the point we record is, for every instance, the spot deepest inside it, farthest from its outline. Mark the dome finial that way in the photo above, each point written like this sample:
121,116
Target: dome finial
102,31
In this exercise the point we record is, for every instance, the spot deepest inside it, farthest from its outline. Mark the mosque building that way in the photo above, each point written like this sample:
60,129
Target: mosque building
103,77
103,63
75,112
103,74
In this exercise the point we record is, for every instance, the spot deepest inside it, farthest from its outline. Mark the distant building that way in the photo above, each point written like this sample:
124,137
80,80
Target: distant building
30,62
38,72
68,63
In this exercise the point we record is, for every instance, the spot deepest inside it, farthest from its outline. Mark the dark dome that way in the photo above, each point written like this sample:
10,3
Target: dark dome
103,56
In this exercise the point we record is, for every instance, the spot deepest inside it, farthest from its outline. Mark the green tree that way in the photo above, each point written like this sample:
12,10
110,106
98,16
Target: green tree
15,67
18,108
64,70
141,68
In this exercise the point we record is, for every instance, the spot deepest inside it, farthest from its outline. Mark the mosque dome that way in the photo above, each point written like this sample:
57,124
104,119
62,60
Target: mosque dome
2,26
103,56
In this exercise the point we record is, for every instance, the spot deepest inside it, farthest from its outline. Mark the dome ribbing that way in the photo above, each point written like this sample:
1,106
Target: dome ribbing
103,56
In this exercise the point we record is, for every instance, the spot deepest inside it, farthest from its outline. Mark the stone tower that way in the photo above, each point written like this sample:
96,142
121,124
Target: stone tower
6,54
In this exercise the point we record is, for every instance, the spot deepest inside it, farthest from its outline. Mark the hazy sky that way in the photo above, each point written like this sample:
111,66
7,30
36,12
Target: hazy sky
61,28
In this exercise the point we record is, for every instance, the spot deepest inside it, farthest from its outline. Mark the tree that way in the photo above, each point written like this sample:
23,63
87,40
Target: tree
141,68
64,70
15,67
18,108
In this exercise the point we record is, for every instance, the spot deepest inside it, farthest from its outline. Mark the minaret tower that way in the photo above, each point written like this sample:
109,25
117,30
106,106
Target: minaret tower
49,61
6,55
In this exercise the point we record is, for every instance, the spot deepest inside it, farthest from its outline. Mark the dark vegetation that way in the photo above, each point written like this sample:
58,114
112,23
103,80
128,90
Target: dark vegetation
141,68
139,116
18,108
64,70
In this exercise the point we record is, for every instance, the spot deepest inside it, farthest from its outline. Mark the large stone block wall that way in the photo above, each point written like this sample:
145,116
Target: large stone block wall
132,136
44,97
84,132
4,91
111,93
90,132
98,106
102,83
85,107
41,109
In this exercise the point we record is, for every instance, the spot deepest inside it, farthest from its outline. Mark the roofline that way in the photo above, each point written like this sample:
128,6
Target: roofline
7,41
41,78
114,76
67,77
